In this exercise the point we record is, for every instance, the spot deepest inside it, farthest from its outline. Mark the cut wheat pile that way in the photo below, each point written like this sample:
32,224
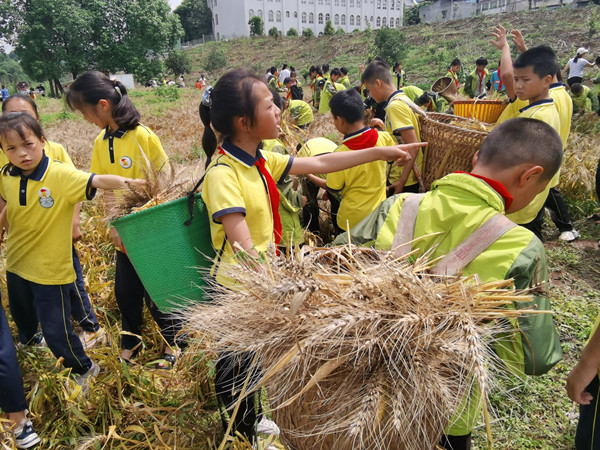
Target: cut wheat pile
358,350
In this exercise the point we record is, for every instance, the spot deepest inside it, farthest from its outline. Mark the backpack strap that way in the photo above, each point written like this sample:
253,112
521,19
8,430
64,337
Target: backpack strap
473,245
405,230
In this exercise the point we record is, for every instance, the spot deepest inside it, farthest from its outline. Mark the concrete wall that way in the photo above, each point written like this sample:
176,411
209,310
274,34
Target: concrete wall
447,10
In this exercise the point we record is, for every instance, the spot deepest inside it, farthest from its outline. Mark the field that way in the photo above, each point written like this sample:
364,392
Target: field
137,407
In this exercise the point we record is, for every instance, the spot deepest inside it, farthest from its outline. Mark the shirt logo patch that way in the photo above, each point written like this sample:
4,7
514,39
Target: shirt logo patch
46,200
125,162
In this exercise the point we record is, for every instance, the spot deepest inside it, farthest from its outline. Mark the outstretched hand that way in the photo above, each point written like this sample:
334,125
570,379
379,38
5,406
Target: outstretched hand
499,35
400,153
518,40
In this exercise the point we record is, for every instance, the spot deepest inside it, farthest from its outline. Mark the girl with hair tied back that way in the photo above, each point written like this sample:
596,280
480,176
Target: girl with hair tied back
124,147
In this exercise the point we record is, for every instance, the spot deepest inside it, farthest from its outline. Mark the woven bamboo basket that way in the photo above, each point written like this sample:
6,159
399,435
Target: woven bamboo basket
450,148
446,87
483,110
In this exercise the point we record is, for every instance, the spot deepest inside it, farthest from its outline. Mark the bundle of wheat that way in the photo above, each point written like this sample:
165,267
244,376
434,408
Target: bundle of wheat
358,350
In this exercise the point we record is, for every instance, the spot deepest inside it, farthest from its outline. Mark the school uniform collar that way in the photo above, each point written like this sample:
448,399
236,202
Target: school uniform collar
496,186
538,103
37,174
557,85
399,91
364,138
233,151
117,134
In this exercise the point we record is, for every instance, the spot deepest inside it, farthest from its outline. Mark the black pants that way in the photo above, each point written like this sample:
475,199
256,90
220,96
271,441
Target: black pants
456,442
598,181
81,307
131,295
32,304
558,213
587,436
231,375
572,80
12,396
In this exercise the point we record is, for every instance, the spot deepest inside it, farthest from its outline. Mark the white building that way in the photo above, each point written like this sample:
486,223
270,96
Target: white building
230,17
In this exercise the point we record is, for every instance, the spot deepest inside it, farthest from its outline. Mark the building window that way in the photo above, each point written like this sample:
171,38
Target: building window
358,21
336,19
311,18
378,22
343,2
321,18
384,22
392,4
358,3
397,22
399,5
343,19
384,4
311,2
371,20
295,14
351,3
251,13
287,14
444,13
278,16
328,2
327,17
259,13
303,17
351,20
320,2
216,19
270,16
391,22
378,4
336,3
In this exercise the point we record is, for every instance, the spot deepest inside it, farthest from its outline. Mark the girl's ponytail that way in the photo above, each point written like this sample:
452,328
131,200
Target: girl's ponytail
209,139
124,112
577,56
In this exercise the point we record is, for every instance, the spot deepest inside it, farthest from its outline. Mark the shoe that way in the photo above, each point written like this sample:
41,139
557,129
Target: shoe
25,436
569,236
266,426
84,378
89,339
36,341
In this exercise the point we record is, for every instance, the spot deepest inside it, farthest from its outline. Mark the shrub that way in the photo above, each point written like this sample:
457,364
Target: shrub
329,30
167,92
308,32
257,27
215,60
340,31
273,32
178,62
389,44
292,32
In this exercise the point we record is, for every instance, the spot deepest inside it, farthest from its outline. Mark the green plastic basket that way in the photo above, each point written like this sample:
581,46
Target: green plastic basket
166,254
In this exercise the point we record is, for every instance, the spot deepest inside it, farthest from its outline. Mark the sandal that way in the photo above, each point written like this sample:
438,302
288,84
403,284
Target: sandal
166,363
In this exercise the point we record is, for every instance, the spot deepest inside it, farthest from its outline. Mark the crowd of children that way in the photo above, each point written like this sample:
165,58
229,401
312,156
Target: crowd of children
253,203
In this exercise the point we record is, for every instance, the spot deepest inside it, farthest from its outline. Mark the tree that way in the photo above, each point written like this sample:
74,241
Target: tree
10,70
292,32
411,15
389,44
308,32
329,30
256,26
178,62
195,17
274,32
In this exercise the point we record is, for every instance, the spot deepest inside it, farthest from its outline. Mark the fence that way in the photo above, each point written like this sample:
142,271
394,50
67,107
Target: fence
196,42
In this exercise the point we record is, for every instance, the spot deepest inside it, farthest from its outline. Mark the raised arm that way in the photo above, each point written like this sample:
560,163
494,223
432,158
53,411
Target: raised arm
506,67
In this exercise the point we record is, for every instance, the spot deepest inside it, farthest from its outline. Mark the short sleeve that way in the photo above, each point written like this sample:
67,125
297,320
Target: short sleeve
278,165
222,192
399,117
386,139
76,183
156,154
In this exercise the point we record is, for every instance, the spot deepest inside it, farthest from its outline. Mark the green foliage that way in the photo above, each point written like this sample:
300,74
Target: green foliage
274,32
178,62
10,71
592,25
195,18
216,59
257,27
167,92
329,30
411,15
340,32
389,44
308,32
292,32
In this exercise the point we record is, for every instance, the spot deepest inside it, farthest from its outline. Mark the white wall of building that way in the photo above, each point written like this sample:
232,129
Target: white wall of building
230,17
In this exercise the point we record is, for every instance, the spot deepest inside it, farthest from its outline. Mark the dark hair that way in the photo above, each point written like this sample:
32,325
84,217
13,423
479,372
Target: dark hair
293,73
277,100
481,61
325,67
344,70
321,82
91,87
26,98
284,67
273,70
316,69
336,72
597,61
577,88
396,65
20,122
347,104
287,80
542,58
423,99
522,140
377,70
292,69
455,62
231,97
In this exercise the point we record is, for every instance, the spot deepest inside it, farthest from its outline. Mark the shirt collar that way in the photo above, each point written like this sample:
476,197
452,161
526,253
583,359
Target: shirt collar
557,85
538,103
117,134
354,134
495,185
38,172
400,91
240,155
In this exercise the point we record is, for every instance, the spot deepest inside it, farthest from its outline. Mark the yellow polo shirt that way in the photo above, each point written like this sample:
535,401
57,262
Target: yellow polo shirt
399,116
53,150
301,112
362,187
564,106
233,184
329,90
40,210
544,110
315,147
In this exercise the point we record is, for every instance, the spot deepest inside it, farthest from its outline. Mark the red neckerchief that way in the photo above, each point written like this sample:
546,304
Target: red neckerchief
495,185
289,94
481,77
366,139
454,77
500,85
315,81
273,196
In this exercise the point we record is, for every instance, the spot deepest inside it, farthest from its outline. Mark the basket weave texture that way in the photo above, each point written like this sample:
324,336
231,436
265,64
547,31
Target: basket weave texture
484,110
166,254
450,148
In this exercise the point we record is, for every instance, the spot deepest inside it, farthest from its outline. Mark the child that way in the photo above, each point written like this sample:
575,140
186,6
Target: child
413,92
541,97
325,69
329,88
12,396
274,82
432,102
514,163
300,112
81,307
400,121
362,187
453,71
124,147
584,100
294,92
345,81
400,75
475,84
316,76
496,81
241,196
41,195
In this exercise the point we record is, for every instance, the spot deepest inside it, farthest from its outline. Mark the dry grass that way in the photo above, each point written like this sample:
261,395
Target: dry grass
358,350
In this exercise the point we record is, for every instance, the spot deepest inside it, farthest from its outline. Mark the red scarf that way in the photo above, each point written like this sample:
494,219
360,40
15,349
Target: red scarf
500,85
481,78
366,139
495,185
273,197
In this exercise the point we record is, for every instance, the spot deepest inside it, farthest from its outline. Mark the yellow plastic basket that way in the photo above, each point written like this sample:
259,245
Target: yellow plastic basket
483,110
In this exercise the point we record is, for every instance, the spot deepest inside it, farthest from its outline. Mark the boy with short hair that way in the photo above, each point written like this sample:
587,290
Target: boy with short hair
400,121
344,80
362,187
584,100
514,164
475,84
294,92
315,76
329,88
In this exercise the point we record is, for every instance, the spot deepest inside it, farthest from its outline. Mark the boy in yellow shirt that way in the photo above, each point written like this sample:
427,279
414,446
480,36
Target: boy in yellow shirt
329,88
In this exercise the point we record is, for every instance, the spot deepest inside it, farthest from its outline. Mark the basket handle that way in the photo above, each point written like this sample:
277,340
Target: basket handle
191,196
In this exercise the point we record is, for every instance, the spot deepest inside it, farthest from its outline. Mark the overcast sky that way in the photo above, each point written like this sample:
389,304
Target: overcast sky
174,3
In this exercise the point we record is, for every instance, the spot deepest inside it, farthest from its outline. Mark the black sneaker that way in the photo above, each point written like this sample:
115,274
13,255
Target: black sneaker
25,435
